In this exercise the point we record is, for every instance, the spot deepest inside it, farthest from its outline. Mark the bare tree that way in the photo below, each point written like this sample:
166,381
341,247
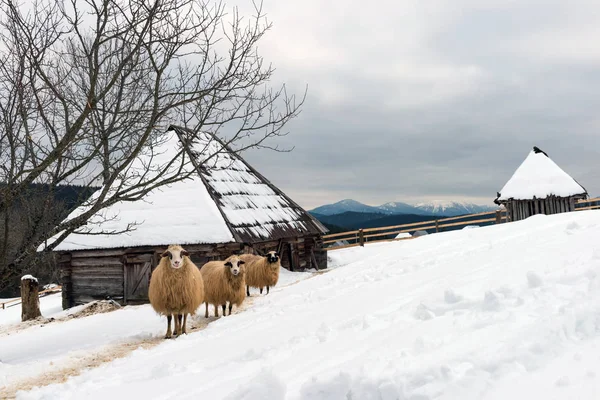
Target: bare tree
86,86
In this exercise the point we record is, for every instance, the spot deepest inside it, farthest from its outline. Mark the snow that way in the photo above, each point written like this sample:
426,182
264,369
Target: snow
184,212
538,176
29,278
506,311
403,235
50,306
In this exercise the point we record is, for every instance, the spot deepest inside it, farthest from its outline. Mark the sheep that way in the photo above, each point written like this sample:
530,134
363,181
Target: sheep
176,288
225,282
261,270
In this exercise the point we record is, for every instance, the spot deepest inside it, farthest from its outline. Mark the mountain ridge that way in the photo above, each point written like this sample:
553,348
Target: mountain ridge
431,208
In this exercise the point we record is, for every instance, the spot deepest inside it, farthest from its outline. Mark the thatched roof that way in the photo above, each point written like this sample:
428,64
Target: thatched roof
537,178
224,200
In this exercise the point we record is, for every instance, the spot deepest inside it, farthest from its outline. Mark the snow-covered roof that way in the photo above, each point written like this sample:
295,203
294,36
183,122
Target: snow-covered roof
224,200
539,177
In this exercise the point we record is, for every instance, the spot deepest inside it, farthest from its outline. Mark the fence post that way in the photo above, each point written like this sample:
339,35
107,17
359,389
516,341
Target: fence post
30,301
361,237
437,229
498,216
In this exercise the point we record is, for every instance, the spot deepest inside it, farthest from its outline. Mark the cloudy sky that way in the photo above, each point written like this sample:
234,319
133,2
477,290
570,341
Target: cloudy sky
422,100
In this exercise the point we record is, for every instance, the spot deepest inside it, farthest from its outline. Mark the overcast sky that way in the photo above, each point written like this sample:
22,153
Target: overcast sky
422,100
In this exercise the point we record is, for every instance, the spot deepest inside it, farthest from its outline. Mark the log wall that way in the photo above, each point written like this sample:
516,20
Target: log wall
522,209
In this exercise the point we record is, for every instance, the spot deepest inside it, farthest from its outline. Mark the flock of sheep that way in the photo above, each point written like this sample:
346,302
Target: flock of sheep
178,287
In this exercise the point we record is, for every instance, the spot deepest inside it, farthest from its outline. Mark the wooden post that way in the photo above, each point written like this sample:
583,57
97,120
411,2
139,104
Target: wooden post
30,301
361,237
498,216
437,226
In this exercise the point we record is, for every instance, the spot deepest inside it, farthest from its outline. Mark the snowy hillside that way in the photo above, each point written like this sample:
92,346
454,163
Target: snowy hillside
452,208
507,311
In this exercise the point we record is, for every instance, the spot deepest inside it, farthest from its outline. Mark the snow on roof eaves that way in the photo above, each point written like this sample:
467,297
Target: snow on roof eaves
227,201
539,177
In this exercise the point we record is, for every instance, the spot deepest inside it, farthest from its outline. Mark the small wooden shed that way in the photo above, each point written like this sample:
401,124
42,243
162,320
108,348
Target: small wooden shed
226,207
539,186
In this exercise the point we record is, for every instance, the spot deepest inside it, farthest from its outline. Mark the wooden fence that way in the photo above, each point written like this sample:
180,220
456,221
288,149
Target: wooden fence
17,301
360,237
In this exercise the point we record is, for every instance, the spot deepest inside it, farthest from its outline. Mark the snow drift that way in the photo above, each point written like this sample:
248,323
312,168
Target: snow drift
506,311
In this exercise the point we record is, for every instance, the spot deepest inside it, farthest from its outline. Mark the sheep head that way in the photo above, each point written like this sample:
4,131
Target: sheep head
234,264
176,255
272,257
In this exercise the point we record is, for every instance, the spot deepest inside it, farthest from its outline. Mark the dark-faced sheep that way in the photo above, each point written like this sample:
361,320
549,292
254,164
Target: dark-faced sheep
176,288
224,282
261,271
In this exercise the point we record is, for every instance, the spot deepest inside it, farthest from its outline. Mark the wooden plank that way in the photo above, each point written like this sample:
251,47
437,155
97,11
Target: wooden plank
588,208
98,253
96,262
397,232
335,235
583,201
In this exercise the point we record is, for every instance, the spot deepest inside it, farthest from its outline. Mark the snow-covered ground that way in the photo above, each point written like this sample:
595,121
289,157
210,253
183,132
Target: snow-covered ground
500,312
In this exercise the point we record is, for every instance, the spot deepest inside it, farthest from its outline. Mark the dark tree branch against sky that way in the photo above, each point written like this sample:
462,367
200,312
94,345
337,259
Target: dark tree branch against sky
88,85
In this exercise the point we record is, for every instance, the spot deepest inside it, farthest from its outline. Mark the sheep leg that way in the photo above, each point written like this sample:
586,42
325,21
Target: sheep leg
206,313
168,334
178,327
248,290
267,290
216,310
261,290
230,307
176,321
224,306
183,332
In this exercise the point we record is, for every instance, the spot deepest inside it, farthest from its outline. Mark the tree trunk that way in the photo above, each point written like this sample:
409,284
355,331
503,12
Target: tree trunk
30,301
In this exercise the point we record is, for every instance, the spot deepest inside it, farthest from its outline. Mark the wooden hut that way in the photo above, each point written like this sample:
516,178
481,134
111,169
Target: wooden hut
539,186
226,207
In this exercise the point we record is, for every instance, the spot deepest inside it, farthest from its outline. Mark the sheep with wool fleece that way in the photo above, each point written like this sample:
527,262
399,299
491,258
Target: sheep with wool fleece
224,282
176,288
261,271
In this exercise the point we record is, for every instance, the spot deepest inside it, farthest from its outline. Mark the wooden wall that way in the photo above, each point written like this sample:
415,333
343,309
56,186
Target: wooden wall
521,209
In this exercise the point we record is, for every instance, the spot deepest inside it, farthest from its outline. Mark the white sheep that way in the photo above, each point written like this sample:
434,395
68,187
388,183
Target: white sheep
176,288
261,271
224,282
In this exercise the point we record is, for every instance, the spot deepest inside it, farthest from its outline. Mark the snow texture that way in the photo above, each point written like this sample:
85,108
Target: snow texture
512,312
184,212
29,278
539,177
403,235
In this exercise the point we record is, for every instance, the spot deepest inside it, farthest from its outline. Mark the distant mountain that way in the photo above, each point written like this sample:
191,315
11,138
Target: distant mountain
433,208
345,206
397,207
452,208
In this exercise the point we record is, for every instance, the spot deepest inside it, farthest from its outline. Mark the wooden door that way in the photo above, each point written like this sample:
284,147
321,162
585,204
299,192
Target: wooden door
138,269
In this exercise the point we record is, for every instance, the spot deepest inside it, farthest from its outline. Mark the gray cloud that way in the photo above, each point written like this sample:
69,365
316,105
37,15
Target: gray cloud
411,101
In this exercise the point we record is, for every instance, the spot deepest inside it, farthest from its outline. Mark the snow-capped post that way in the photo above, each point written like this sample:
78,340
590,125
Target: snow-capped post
498,216
30,300
361,237
437,226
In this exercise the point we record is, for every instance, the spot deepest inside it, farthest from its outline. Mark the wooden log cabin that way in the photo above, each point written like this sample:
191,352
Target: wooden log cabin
539,186
225,207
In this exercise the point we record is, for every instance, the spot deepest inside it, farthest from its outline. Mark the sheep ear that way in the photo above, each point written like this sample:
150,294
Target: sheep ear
228,264
184,253
241,262
166,253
